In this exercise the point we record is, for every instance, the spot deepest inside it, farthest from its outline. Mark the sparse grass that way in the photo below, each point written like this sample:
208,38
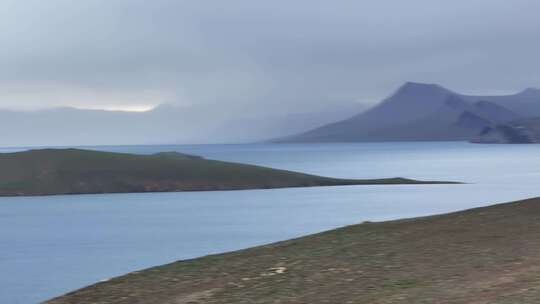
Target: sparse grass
74,171
484,255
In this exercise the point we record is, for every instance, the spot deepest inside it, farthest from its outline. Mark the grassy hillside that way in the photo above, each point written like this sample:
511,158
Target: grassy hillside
485,255
71,171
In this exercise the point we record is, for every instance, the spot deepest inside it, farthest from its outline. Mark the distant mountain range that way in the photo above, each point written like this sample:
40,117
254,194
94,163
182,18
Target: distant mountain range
165,124
415,112
426,112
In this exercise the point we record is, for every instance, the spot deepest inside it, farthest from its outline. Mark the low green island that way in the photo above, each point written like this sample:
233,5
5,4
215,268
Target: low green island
76,171
484,255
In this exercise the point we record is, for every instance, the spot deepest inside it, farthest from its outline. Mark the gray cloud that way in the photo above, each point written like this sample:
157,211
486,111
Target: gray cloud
258,55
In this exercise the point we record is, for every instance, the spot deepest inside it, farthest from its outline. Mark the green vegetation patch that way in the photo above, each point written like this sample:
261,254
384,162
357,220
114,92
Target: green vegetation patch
75,171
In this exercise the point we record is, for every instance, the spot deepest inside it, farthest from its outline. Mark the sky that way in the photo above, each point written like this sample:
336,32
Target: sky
258,56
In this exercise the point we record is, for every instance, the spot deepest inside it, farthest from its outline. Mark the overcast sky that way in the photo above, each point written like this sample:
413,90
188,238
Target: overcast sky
135,54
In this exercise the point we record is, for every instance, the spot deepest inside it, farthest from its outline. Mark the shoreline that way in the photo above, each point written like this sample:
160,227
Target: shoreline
393,181
291,264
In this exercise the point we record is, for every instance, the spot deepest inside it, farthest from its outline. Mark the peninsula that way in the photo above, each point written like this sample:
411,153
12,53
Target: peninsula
75,171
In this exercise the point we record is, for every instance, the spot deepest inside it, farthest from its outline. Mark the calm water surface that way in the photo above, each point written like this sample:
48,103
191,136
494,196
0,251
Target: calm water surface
51,245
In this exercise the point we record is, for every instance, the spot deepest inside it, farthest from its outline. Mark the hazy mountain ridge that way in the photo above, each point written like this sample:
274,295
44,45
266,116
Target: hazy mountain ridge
165,124
526,102
415,112
425,112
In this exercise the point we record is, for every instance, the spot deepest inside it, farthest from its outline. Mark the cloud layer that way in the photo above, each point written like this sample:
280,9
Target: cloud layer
258,56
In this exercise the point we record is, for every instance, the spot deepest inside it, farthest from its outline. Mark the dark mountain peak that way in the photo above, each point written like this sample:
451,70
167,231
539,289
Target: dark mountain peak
413,84
419,88
420,93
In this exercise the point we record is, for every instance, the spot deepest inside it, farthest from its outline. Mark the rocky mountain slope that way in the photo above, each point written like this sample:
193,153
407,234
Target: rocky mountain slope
420,112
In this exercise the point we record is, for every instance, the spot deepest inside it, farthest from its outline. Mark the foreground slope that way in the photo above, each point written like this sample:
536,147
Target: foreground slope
74,171
485,255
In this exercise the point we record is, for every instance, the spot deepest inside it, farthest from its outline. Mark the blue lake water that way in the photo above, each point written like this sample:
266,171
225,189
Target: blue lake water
52,245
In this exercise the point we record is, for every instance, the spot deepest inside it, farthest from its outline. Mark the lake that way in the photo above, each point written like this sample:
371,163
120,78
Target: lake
52,245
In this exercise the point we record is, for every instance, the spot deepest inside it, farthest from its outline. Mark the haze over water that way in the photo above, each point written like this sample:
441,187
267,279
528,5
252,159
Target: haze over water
52,245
